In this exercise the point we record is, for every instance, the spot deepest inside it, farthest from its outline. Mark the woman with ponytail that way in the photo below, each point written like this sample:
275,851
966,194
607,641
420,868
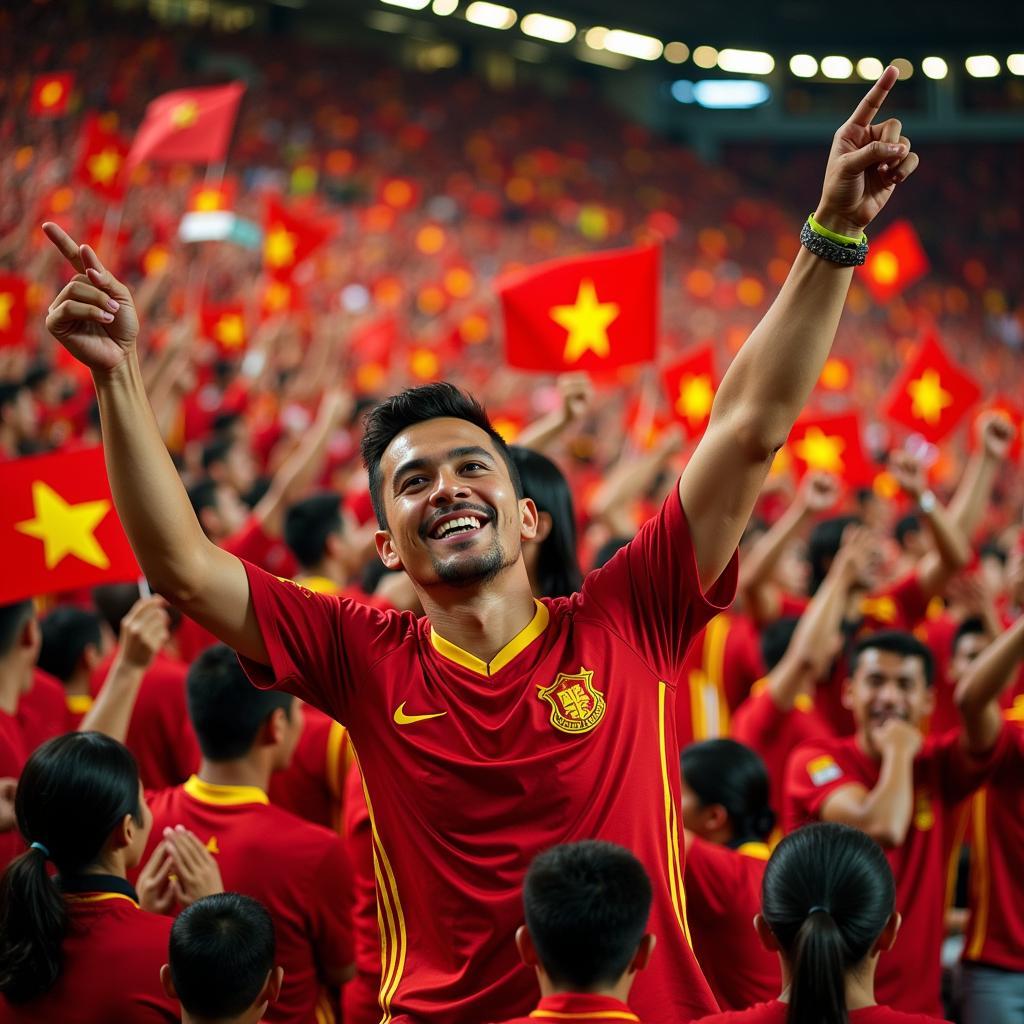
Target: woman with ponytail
827,910
727,821
76,947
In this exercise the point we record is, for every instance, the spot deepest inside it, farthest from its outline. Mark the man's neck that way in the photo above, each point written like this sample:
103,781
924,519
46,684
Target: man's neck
860,986
78,685
246,771
619,991
14,680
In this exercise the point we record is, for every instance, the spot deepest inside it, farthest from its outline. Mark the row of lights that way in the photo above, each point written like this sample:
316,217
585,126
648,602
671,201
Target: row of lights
743,62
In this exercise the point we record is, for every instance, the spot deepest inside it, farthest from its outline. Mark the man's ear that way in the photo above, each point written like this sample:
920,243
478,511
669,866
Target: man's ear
885,940
274,728
715,817
386,549
123,833
91,657
544,525
271,991
167,982
529,519
527,950
765,934
643,952
847,694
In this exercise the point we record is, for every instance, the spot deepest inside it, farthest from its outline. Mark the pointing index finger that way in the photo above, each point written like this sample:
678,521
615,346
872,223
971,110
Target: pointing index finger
66,245
872,102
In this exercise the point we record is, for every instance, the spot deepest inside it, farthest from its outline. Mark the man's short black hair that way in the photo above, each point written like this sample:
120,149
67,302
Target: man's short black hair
905,527
895,641
776,638
308,524
823,546
9,391
993,549
972,626
388,419
67,631
226,710
13,617
586,907
216,451
222,950
203,494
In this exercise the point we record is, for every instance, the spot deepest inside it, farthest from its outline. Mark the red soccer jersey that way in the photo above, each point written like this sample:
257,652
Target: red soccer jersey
723,893
995,929
579,1008
112,952
944,774
159,734
775,1013
298,871
255,545
42,710
473,768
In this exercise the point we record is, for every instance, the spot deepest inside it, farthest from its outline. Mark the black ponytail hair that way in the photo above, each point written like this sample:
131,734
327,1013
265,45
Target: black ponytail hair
726,772
73,792
828,893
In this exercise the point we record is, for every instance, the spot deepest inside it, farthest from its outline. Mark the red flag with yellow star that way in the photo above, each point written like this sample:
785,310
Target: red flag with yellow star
224,325
895,261
830,444
51,94
58,527
13,309
690,386
101,159
932,395
191,126
594,313
370,346
279,297
289,238
836,374
213,198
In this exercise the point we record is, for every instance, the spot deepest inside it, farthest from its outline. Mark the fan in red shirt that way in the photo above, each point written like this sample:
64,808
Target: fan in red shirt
73,644
494,698
728,821
902,790
828,911
587,906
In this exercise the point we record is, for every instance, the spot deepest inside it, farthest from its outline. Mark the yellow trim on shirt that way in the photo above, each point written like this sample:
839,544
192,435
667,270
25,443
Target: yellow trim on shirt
78,703
715,636
223,796
759,851
980,873
585,1015
318,584
337,758
675,871
515,646
100,897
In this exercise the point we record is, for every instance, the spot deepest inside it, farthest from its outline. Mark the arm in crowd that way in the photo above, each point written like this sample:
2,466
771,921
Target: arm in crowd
576,393
774,372
995,435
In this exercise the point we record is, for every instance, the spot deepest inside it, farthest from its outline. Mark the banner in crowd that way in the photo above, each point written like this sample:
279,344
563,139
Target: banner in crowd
895,261
831,444
690,386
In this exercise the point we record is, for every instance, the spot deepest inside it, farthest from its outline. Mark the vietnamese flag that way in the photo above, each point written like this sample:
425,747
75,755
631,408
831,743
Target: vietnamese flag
13,309
690,389
51,94
594,312
830,444
836,375
370,347
101,160
279,297
224,325
932,394
191,126
213,198
289,238
58,526
894,262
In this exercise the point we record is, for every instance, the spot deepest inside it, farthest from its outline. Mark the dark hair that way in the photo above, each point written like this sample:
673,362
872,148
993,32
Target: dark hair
9,391
609,548
894,641
827,894
726,772
973,626
114,601
558,571
905,527
308,524
823,546
226,710
586,909
993,549
217,451
776,638
73,792
203,494
13,617
222,948
67,631
385,421
225,421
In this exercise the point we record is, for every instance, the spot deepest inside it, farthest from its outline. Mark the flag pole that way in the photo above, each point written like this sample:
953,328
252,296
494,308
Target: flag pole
109,232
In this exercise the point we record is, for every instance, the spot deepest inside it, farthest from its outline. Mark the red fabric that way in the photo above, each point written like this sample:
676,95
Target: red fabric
51,94
13,310
224,325
113,952
13,755
895,261
289,238
42,710
723,893
775,1013
446,794
944,774
255,545
831,444
101,160
579,1007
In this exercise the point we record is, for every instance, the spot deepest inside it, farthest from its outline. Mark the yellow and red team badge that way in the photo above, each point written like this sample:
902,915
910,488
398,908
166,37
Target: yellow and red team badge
575,705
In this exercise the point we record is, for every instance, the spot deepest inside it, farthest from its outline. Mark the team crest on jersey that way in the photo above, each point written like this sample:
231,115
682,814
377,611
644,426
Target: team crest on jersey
576,706
824,770
924,814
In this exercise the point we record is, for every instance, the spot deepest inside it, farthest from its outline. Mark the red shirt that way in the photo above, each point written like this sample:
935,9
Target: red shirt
255,545
580,1008
298,871
723,893
995,929
775,1013
159,733
113,952
575,704
13,754
42,710
944,774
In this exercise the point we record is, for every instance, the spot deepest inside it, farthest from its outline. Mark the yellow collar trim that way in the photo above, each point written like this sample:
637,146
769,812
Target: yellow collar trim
759,851
99,897
78,703
223,796
515,646
584,1015
318,584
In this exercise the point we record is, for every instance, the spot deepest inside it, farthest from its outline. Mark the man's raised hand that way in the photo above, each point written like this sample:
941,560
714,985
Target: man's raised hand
93,317
865,164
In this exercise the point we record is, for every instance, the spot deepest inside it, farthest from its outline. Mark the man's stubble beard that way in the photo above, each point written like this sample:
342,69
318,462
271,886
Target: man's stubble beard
476,570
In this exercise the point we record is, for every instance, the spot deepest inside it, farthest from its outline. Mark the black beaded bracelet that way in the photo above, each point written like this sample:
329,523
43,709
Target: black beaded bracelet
846,255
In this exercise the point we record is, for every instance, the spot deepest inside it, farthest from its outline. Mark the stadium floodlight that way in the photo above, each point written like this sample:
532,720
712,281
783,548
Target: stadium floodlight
409,5
551,30
982,66
490,15
730,93
444,7
903,66
803,65
633,44
870,68
836,67
1015,63
935,67
705,57
676,53
595,37
746,62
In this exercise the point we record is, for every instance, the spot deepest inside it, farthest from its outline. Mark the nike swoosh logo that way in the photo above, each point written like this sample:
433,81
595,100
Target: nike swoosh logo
401,718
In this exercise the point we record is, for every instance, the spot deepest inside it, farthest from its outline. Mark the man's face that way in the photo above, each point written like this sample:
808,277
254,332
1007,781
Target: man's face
240,467
452,513
968,647
887,685
231,512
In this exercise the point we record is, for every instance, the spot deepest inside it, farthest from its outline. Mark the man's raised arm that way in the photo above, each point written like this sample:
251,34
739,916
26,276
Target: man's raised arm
774,372
94,318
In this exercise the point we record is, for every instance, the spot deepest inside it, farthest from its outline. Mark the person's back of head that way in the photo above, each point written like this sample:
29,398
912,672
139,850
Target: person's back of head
827,906
221,960
823,545
72,640
309,523
586,907
14,617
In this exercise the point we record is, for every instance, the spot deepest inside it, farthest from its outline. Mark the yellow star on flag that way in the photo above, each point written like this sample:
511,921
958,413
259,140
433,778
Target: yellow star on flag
279,247
6,303
277,296
821,451
587,322
65,529
185,114
885,267
230,330
50,94
424,364
695,397
103,166
208,200
928,397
